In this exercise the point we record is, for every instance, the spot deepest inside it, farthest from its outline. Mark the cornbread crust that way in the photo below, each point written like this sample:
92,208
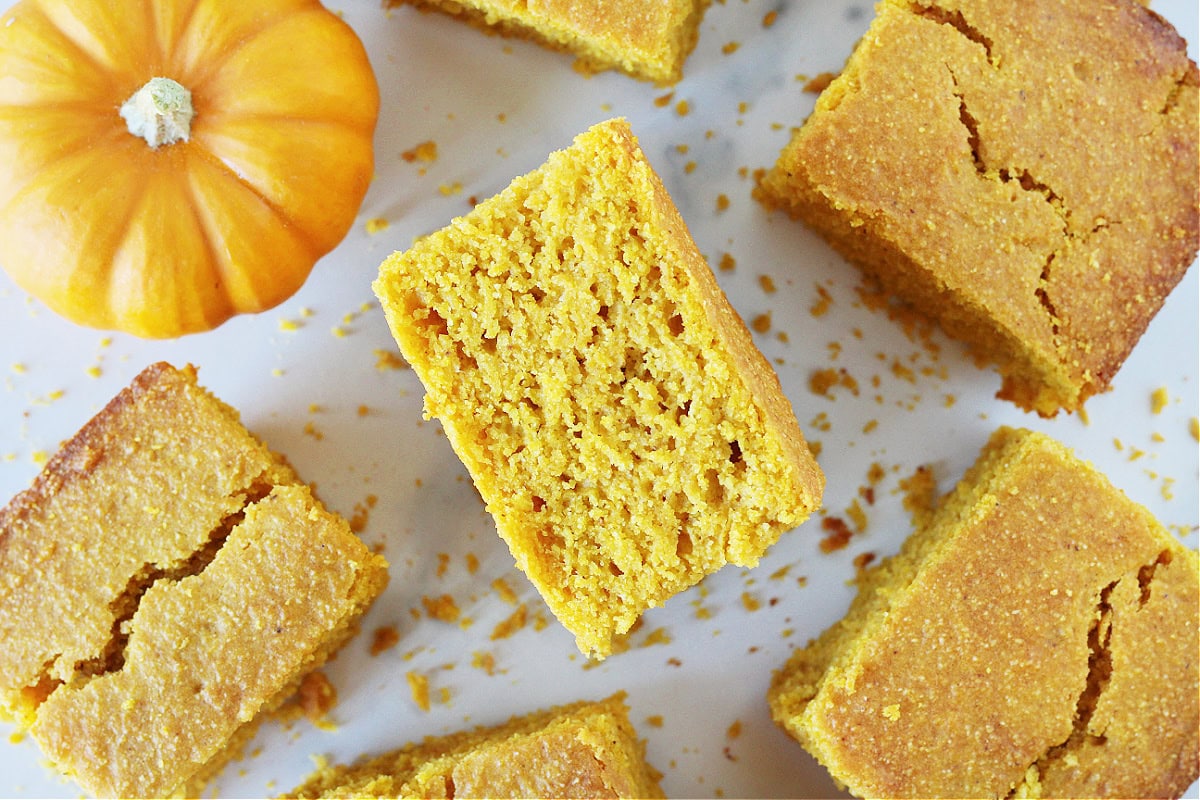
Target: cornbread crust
608,402
1023,172
1037,639
649,41
163,581
584,750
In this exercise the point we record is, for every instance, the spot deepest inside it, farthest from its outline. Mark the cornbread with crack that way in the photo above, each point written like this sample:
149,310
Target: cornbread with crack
1038,638
649,41
622,428
1023,171
164,581
582,750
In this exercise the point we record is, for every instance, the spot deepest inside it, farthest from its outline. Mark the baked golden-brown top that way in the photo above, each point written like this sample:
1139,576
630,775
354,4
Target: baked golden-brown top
648,40
623,429
584,750
1039,636
1025,172
163,580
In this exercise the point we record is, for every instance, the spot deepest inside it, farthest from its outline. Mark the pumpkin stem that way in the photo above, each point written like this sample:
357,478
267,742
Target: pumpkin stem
160,112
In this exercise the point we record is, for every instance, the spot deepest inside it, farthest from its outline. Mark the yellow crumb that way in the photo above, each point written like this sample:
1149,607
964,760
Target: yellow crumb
449,189
722,202
418,686
664,100
504,591
425,151
730,48
824,301
376,225
750,602
656,636
443,608
93,372
513,623
654,720
389,359
734,730
892,712
1158,400
385,638
727,262
769,18
761,323
683,108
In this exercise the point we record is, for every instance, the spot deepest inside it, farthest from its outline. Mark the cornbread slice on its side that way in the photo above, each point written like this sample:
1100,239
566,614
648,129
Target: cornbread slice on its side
165,580
647,40
1023,171
583,750
623,430
1037,639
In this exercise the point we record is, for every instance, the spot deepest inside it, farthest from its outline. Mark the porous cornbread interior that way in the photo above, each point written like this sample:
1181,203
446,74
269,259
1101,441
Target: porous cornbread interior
1023,171
649,41
619,423
585,750
164,580
1037,638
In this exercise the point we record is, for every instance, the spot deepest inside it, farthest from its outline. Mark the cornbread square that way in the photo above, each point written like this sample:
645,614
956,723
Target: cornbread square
647,40
1022,171
165,580
1037,639
583,750
608,402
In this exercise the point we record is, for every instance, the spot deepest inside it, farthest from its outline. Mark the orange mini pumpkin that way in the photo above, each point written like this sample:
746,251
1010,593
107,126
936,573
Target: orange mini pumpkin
166,164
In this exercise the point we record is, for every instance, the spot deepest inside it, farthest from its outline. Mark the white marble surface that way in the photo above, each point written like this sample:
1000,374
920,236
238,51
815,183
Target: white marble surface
495,108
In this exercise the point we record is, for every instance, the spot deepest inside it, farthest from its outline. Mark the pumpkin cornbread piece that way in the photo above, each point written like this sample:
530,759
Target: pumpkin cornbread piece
1023,171
585,750
649,41
165,580
1039,636
625,433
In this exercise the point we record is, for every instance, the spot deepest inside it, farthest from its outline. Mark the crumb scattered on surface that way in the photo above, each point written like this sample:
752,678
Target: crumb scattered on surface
442,608
376,225
426,152
383,639
512,623
837,534
418,687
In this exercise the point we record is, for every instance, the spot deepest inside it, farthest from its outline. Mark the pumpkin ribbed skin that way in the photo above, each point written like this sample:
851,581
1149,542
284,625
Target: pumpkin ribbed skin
164,241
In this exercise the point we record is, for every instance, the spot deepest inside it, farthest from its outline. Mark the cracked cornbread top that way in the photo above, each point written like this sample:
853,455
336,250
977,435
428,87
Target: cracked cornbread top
1024,172
1037,638
151,581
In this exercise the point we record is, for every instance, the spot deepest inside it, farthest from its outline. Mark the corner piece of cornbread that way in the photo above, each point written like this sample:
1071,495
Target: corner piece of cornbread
649,41
582,750
622,428
165,580
1023,171
1037,639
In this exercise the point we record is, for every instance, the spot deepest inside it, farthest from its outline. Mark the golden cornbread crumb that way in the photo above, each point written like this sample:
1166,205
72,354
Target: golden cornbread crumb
1036,638
148,585
586,749
418,687
1025,172
384,638
649,41
595,381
